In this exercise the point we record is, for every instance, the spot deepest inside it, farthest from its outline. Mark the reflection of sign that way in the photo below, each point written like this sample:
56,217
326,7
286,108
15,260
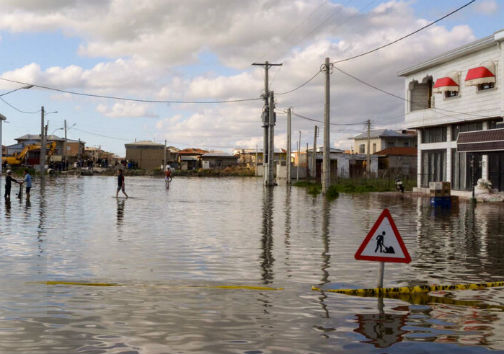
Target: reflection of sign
383,243
382,330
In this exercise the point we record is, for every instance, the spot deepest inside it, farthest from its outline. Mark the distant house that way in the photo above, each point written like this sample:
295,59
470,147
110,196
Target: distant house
190,158
382,139
146,154
218,160
247,157
395,161
33,157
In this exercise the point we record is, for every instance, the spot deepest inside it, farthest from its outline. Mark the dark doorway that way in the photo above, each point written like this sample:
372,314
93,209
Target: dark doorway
496,170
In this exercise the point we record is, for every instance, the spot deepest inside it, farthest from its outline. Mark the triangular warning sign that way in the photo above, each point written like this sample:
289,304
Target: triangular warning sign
383,243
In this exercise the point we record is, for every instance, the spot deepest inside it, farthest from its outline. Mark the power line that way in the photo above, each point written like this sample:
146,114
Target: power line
402,98
17,109
302,85
319,121
101,135
405,36
119,98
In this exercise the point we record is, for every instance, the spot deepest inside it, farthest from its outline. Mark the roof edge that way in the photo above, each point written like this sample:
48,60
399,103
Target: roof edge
469,48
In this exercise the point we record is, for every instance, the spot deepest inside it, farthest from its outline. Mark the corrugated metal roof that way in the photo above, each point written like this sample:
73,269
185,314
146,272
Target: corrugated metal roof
218,154
144,143
384,133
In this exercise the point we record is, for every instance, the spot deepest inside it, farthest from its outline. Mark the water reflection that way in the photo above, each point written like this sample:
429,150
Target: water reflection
7,208
120,211
266,257
381,329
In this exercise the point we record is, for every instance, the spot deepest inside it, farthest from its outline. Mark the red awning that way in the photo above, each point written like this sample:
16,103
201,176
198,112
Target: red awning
481,75
445,84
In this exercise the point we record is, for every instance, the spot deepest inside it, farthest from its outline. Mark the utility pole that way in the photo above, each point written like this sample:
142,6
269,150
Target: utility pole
307,165
65,146
265,114
271,143
164,157
326,164
256,157
368,161
314,155
298,156
289,145
42,144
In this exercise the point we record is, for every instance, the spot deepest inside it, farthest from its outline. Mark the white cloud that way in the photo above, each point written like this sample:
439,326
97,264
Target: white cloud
487,7
126,109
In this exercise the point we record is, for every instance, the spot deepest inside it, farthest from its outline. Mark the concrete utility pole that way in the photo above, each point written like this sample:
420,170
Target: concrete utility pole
2,118
368,161
265,114
298,156
271,143
326,165
42,144
314,155
164,157
256,157
289,145
307,164
65,146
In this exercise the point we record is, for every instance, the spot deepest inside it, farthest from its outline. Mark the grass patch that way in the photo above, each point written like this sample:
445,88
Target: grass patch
363,185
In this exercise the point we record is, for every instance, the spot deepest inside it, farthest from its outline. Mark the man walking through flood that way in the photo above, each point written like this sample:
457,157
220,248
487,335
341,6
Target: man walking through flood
120,183
8,184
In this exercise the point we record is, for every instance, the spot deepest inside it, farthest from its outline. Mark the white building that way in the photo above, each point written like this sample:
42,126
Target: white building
460,91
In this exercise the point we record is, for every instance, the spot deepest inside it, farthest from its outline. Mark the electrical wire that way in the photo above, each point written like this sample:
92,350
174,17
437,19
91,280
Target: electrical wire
402,98
405,36
316,120
17,109
129,99
300,86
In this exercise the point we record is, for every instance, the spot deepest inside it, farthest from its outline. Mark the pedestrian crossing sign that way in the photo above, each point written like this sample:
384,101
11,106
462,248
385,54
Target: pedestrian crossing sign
383,243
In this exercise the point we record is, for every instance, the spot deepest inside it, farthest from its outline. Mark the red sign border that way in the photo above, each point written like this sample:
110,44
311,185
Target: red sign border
385,214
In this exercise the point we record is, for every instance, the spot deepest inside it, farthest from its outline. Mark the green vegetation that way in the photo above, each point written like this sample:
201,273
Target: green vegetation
235,171
354,185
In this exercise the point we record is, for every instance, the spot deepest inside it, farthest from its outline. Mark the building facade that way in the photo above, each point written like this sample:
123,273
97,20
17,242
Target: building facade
145,154
455,101
382,139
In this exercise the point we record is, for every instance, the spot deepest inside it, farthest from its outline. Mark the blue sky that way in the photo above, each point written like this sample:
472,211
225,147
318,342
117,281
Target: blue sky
155,50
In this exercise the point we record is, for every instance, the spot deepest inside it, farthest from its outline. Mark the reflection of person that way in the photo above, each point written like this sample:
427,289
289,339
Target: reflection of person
120,183
379,242
8,184
28,182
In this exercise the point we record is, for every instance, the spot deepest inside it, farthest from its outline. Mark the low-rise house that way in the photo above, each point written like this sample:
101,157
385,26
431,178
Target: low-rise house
382,139
146,155
218,160
397,161
249,157
190,158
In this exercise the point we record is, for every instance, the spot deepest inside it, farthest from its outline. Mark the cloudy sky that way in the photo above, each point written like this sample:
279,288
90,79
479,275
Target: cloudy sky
202,50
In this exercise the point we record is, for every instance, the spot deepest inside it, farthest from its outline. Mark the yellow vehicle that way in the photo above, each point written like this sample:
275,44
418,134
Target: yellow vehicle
19,157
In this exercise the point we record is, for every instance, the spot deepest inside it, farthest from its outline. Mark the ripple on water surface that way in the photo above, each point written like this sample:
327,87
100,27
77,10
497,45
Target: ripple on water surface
168,253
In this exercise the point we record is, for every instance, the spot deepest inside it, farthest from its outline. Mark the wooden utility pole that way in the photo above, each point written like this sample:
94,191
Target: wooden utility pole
265,115
288,157
368,161
164,157
42,144
314,155
326,165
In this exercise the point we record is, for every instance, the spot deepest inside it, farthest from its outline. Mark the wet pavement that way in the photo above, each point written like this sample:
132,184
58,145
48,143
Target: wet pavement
167,254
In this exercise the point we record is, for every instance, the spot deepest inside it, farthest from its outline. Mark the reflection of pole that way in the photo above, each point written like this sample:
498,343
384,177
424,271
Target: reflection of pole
267,259
473,174
288,146
380,274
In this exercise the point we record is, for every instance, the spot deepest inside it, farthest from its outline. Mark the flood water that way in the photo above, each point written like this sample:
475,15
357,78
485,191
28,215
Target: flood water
168,253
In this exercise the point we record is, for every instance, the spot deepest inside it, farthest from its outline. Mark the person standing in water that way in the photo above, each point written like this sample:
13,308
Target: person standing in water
28,181
120,183
168,177
8,184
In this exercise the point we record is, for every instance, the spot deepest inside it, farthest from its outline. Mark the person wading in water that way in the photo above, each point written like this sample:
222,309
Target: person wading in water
120,183
8,183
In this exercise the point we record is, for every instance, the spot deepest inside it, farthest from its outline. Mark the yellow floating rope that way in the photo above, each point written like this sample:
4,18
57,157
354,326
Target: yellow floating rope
59,282
411,289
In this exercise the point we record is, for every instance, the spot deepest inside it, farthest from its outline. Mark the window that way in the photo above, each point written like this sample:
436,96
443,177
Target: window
420,94
433,166
487,86
362,148
374,148
434,135
465,127
449,94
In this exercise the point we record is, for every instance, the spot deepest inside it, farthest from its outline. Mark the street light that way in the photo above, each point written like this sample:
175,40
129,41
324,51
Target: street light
19,88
